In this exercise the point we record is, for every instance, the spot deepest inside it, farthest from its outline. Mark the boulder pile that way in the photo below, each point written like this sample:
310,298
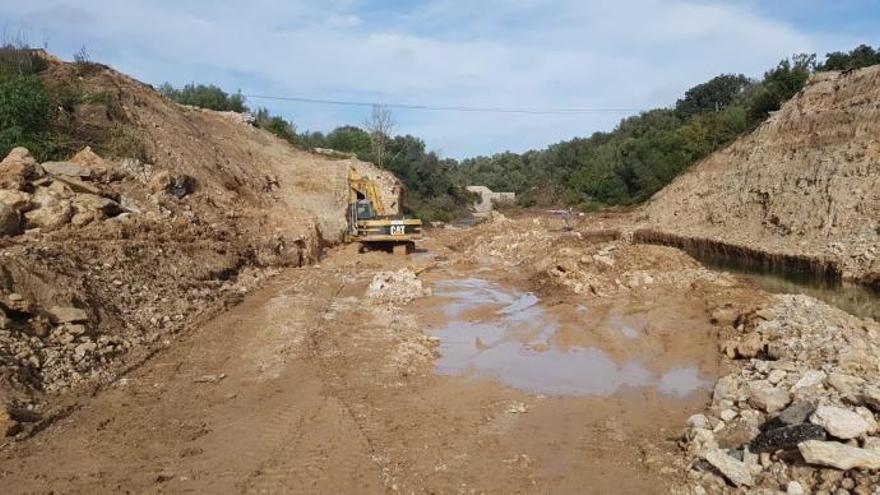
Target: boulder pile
801,415
44,197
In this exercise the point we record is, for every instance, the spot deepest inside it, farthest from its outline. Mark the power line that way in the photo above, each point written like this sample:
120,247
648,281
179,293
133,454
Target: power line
441,108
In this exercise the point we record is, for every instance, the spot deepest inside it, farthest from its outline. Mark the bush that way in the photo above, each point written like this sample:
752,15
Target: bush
205,96
20,61
25,111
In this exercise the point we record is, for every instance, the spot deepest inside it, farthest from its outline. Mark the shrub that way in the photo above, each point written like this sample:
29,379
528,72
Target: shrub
205,96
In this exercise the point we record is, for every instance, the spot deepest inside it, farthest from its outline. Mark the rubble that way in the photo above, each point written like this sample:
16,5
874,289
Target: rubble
398,287
737,472
838,455
840,422
814,385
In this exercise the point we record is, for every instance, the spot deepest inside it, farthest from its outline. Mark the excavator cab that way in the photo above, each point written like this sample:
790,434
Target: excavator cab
369,225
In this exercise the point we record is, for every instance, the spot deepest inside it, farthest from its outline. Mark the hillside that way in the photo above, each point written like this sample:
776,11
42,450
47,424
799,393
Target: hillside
806,182
168,215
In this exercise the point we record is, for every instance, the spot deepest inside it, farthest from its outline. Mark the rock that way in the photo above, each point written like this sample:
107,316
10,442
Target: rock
67,314
855,359
798,412
728,415
737,472
18,168
17,200
872,444
787,437
210,378
839,422
870,396
736,434
398,287
88,158
776,376
701,439
838,455
698,421
90,208
794,488
82,349
750,346
868,416
809,379
845,384
69,169
10,221
75,330
765,396
50,217
725,387
78,185
176,185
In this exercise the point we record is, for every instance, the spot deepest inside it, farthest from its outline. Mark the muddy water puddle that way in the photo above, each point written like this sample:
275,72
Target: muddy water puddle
488,329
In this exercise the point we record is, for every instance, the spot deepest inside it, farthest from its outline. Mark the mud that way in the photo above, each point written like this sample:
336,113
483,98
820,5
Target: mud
573,348
314,387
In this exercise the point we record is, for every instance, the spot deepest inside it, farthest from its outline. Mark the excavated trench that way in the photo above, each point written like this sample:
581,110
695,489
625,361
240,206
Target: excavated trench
776,273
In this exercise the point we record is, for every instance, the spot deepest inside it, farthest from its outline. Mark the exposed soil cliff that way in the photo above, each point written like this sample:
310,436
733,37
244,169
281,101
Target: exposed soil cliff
807,182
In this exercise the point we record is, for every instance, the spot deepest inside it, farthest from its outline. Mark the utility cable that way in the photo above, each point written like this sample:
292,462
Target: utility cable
442,108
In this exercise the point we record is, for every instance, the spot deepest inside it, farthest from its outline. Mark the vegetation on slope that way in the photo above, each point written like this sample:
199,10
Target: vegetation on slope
624,166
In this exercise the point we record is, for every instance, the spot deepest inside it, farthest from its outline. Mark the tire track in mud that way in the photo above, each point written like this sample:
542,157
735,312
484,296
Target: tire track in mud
303,461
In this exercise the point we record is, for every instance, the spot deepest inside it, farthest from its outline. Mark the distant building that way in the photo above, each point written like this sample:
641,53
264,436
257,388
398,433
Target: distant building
488,198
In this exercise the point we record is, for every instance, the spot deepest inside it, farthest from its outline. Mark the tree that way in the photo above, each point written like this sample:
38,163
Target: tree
713,95
379,125
861,56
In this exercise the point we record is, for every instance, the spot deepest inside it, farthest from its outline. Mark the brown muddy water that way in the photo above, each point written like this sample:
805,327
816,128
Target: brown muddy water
855,299
576,346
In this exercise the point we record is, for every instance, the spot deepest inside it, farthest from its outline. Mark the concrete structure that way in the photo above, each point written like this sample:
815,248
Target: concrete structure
487,199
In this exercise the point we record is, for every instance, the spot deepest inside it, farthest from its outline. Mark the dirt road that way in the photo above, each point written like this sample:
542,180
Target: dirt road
309,387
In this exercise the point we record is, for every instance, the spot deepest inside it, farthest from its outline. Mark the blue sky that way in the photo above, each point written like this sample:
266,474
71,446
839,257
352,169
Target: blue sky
498,53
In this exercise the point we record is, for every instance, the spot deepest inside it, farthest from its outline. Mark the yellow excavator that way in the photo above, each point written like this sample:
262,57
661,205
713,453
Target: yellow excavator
369,223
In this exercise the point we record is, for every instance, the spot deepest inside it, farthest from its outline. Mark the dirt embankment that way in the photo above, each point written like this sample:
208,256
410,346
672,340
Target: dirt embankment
101,258
805,183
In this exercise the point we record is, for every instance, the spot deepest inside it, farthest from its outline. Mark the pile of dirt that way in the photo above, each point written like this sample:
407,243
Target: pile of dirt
173,214
806,182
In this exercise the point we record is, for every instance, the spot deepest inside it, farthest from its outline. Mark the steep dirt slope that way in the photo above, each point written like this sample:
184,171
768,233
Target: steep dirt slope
102,258
806,182
235,164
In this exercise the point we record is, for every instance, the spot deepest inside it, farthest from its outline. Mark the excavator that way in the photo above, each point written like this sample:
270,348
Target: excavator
369,223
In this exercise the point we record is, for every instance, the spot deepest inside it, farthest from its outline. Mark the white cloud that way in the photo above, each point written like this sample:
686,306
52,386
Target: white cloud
510,53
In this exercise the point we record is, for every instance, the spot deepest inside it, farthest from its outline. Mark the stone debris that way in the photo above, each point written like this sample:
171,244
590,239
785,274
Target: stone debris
736,471
212,378
838,455
786,438
768,398
67,314
66,168
400,287
839,422
816,384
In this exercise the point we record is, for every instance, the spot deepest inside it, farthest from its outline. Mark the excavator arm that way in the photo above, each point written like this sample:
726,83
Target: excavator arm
366,188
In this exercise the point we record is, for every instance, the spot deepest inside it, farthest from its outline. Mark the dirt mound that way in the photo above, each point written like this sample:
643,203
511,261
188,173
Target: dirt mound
806,182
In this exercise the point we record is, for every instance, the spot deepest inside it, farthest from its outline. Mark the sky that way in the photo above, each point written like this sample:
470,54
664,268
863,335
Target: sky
622,55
